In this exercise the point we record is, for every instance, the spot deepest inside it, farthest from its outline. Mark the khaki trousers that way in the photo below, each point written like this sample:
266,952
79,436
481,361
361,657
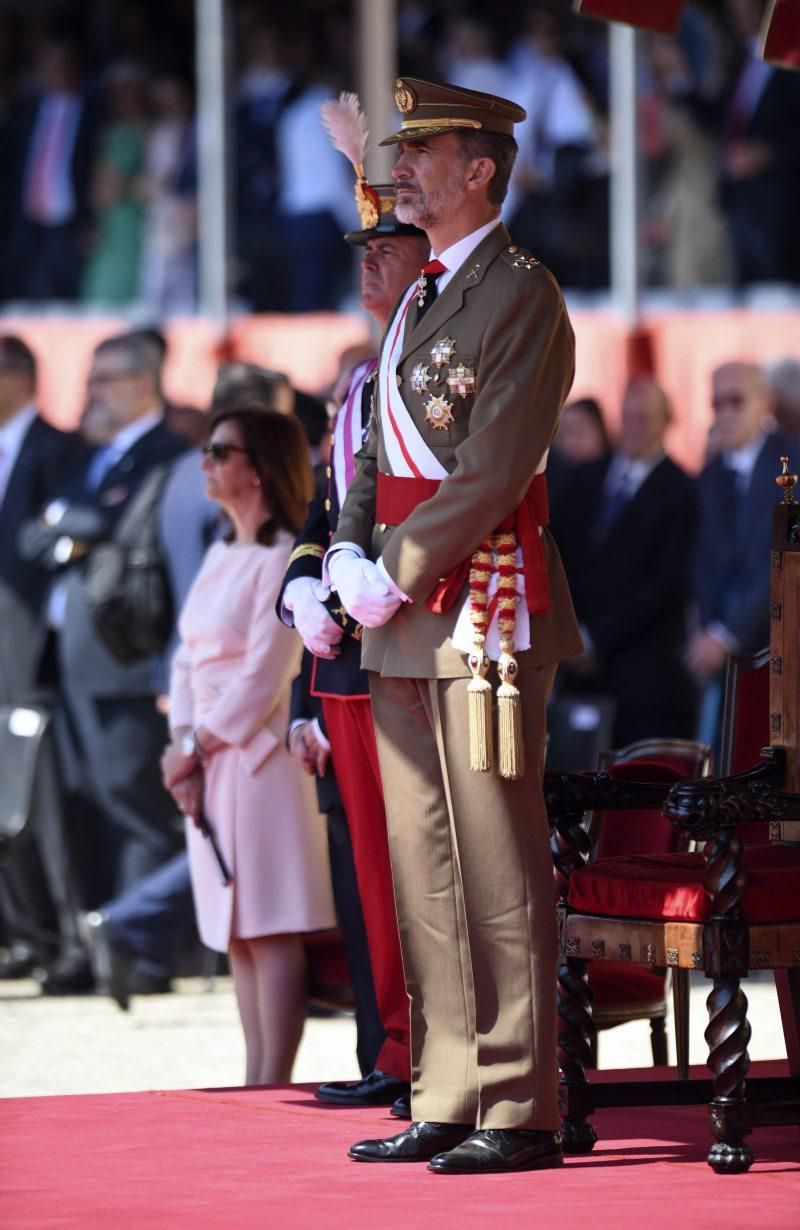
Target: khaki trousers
473,882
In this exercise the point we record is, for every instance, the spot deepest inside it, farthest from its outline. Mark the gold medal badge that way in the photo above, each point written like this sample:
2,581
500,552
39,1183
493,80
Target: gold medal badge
439,411
420,378
461,380
443,351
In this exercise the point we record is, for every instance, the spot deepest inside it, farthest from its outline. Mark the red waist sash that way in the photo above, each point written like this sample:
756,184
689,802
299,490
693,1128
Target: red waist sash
396,499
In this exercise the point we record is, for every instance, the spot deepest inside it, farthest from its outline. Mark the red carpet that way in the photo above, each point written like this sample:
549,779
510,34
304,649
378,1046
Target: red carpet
273,1157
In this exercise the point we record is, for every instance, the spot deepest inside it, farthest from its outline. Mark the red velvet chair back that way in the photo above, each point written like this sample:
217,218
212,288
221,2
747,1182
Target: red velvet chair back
650,760
745,726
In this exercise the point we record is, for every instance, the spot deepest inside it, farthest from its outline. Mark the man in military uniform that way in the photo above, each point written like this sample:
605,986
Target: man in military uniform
444,521
393,254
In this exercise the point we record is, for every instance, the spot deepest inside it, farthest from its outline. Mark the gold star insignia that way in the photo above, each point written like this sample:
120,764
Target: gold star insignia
439,411
525,262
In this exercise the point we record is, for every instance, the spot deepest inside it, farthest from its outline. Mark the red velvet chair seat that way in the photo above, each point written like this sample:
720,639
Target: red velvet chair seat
620,982
670,886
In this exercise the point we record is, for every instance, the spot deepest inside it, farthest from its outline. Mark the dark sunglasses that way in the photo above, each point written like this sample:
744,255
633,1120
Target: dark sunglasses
220,452
728,399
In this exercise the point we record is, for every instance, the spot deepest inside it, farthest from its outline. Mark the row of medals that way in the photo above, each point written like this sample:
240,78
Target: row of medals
460,382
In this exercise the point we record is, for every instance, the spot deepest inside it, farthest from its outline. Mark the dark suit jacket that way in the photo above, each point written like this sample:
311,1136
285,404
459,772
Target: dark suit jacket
763,208
341,676
732,564
84,660
632,588
39,468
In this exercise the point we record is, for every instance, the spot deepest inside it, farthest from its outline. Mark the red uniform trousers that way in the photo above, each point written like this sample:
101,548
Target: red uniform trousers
355,762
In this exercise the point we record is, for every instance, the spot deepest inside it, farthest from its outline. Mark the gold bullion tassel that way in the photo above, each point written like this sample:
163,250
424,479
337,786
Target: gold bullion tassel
479,690
511,752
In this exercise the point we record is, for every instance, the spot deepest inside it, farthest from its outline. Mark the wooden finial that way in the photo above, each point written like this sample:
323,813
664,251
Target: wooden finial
787,482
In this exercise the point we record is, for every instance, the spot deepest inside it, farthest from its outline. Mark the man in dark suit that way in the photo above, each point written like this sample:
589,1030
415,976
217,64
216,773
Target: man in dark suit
737,492
761,160
113,735
36,885
626,525
54,141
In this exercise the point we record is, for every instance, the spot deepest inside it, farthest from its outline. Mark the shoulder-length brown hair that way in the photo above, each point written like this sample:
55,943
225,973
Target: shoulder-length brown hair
277,449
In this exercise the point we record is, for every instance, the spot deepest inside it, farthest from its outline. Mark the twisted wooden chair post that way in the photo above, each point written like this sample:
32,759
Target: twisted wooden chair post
712,810
572,847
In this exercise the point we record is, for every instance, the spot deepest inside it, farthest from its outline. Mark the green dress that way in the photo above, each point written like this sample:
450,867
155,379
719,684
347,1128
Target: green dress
112,270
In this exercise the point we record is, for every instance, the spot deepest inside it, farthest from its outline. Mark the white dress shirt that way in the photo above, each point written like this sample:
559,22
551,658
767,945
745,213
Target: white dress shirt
742,461
12,437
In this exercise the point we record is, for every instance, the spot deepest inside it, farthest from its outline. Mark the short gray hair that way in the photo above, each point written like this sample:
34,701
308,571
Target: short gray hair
141,353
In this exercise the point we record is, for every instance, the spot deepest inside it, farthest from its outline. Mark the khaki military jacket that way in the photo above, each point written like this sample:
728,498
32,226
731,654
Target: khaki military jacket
502,318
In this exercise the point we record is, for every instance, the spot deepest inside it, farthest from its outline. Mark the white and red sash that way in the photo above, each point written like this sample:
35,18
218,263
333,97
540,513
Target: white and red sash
410,456
348,430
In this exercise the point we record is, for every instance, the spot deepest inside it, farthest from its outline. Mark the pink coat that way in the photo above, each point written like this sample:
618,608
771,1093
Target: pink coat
233,674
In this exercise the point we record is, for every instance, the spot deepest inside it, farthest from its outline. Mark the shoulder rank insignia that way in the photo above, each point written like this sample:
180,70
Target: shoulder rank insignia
420,378
439,411
443,351
521,261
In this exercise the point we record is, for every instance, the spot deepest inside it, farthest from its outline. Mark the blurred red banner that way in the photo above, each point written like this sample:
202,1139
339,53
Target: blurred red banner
780,33
663,16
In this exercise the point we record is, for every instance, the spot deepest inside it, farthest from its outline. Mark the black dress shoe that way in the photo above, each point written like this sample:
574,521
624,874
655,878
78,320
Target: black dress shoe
417,1143
73,976
375,1089
501,1151
111,959
401,1107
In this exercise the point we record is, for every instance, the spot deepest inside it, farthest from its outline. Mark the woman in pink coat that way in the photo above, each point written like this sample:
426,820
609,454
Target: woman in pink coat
229,706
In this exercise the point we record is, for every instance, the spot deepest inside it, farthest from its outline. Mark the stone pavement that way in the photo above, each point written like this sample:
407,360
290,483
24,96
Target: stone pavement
191,1039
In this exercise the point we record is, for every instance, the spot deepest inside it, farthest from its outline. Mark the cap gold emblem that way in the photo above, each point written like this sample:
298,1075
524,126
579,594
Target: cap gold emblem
439,411
404,97
367,204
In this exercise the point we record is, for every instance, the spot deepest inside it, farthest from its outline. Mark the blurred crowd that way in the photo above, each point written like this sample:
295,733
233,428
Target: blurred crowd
98,169
667,571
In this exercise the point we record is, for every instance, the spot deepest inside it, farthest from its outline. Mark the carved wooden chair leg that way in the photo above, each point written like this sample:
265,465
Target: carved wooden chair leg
728,1035
658,1040
680,1005
576,1038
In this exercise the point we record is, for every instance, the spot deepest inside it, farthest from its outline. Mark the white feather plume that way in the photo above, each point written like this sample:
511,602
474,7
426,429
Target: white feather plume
346,125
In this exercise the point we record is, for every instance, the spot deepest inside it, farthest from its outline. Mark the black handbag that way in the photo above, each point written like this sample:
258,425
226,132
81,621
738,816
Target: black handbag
130,597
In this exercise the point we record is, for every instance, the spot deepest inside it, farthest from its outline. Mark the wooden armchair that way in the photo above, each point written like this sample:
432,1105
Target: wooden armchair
732,908
625,797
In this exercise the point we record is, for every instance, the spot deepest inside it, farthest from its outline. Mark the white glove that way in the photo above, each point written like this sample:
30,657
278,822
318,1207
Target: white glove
362,589
319,632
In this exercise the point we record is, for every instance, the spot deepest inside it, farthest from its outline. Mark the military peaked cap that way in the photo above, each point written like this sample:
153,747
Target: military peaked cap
430,108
